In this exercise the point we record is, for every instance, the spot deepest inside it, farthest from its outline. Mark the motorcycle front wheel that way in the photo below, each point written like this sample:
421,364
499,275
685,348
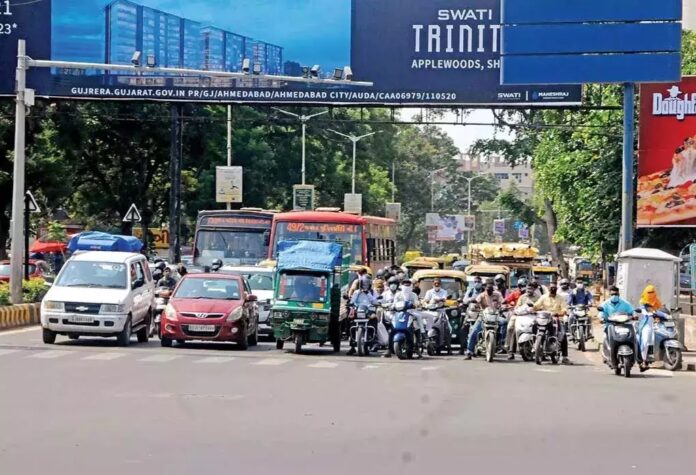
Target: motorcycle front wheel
490,347
581,339
672,358
526,351
299,341
359,337
627,366
399,350
538,353
431,348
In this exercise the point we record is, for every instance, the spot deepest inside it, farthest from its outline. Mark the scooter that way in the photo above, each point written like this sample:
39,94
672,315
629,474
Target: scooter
524,332
666,344
407,338
580,326
439,331
546,341
619,347
162,295
362,334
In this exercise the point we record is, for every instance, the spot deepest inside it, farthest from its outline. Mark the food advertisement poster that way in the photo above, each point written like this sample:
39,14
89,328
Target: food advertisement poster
666,191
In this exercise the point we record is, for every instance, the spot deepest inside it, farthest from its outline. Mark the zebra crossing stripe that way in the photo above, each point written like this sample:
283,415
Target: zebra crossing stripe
104,356
272,362
215,360
159,358
45,355
323,365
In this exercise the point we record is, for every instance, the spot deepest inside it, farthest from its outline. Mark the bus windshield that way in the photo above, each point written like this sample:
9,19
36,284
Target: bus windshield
233,247
350,234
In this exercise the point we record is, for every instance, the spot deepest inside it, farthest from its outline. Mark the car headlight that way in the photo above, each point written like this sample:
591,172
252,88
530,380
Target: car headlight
111,308
235,315
54,306
170,312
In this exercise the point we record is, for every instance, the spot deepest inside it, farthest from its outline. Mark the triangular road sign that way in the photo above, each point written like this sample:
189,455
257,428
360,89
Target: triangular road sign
30,203
133,215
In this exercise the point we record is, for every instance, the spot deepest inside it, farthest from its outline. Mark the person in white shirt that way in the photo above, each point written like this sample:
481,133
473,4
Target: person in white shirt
436,294
391,290
364,296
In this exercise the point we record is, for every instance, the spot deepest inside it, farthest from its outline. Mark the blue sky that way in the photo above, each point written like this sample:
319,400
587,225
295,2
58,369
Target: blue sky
311,31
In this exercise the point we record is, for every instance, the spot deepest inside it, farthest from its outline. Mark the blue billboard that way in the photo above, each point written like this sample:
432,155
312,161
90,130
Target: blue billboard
417,52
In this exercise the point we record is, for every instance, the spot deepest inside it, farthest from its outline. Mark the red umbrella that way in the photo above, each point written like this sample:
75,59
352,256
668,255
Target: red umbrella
51,246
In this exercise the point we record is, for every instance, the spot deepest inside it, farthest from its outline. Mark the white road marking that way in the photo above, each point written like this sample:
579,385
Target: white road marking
159,358
19,330
546,370
7,352
430,368
661,372
50,354
215,359
373,366
271,362
323,364
104,356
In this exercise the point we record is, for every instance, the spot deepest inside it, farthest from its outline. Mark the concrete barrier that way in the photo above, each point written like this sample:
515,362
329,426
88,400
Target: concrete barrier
13,316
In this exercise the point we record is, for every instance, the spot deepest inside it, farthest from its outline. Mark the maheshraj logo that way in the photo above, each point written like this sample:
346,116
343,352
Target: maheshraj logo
673,105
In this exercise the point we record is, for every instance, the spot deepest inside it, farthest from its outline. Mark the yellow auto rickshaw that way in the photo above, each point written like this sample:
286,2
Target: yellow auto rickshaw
545,274
487,271
413,266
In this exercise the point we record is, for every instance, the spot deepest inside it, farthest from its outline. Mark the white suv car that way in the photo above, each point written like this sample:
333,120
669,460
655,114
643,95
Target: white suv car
100,293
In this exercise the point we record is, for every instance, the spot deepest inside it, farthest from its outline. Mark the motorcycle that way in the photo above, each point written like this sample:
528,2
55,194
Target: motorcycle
407,338
488,338
524,332
666,344
580,325
473,312
620,346
546,341
439,331
162,295
362,334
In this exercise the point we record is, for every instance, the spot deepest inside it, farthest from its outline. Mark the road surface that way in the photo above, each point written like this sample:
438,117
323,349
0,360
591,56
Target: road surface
88,406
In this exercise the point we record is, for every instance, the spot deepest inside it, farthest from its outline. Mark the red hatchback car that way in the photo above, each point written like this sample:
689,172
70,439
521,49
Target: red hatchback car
212,307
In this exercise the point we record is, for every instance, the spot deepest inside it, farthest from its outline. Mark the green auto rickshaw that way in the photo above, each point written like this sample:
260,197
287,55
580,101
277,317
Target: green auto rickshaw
307,293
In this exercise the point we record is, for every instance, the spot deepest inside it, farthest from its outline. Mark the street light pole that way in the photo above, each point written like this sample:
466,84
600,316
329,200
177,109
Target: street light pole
303,119
355,141
468,207
229,141
393,180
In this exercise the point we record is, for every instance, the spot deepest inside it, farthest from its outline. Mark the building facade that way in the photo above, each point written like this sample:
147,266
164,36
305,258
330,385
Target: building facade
520,176
689,16
178,42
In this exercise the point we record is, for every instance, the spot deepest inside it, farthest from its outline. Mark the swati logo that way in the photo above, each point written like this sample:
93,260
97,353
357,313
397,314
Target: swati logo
535,96
674,105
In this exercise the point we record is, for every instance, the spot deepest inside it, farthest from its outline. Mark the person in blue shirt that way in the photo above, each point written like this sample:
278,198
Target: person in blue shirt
579,296
475,289
614,305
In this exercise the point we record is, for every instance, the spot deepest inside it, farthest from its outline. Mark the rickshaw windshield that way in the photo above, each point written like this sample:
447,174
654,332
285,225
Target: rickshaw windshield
302,287
452,286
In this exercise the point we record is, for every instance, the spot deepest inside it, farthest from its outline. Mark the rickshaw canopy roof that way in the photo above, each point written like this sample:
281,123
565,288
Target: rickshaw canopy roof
487,269
545,269
442,274
316,256
420,264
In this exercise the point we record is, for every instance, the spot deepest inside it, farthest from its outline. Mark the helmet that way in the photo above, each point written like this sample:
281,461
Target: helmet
160,265
499,277
380,274
216,264
564,282
365,282
522,282
393,280
158,260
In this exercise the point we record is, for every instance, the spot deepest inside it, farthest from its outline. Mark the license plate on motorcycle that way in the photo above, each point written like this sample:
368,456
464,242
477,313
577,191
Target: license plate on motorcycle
202,328
669,324
81,319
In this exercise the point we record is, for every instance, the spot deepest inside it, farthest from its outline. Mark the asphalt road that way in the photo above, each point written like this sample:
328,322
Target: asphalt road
90,407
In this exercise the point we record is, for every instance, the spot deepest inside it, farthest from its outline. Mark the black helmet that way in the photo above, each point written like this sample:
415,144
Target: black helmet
500,277
216,264
160,265
365,282
380,274
393,280
522,282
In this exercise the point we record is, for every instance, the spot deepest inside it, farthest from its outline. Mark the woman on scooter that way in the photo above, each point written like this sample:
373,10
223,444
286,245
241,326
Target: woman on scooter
651,304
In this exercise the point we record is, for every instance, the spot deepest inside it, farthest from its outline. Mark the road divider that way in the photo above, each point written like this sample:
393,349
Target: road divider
15,316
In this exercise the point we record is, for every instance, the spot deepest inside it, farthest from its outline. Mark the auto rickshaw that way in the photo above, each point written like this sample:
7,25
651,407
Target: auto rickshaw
442,262
487,271
414,266
454,282
545,274
307,293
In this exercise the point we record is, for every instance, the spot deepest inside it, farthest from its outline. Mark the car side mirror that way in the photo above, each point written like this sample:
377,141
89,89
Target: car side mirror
252,298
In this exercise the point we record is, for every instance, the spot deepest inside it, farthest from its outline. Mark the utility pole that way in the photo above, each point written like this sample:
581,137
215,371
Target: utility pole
18,178
175,152
393,180
229,141
468,206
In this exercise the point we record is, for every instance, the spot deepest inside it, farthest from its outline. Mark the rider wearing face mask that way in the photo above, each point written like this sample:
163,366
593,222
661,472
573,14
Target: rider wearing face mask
364,297
406,294
391,290
490,298
557,305
475,289
524,303
613,305
501,285
565,290
436,294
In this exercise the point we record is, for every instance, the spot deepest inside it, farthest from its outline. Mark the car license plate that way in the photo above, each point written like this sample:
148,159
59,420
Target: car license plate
81,319
298,321
202,328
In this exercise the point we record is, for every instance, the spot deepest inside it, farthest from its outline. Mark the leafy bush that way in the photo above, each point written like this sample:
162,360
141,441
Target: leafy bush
32,290
4,293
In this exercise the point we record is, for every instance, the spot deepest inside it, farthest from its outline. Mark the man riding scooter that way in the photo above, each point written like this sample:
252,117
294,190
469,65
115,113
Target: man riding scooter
524,303
406,294
490,298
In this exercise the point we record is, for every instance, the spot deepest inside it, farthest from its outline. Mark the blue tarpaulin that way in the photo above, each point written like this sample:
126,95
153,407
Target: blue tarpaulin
97,241
310,255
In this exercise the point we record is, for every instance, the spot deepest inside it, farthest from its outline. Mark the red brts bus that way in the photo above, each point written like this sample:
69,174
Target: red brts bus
371,240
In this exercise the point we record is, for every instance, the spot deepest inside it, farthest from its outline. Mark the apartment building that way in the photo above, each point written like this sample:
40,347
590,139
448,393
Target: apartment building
520,176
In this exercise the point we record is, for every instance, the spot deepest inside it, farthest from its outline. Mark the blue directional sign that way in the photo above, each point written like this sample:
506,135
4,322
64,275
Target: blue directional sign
590,41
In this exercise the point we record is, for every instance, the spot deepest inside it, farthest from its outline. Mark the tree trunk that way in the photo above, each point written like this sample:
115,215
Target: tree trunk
556,252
